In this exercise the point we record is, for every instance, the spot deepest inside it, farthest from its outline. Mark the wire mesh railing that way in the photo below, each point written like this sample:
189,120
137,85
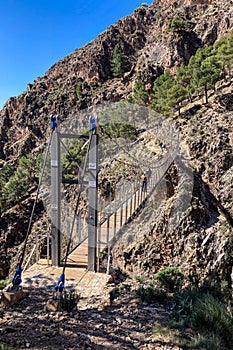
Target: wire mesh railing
130,196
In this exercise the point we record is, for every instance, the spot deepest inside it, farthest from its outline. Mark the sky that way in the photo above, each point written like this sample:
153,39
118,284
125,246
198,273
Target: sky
35,34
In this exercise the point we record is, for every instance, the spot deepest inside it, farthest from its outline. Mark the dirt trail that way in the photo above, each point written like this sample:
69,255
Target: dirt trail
103,322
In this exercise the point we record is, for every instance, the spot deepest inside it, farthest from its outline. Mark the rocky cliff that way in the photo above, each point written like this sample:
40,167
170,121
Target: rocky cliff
202,244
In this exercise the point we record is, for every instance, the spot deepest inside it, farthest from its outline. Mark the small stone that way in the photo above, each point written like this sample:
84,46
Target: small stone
100,325
9,298
119,320
52,305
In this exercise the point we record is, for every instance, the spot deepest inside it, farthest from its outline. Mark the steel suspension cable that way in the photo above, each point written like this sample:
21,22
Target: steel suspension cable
17,277
36,199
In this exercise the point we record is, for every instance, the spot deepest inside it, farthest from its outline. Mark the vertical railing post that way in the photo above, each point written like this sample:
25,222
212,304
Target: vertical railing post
135,196
37,248
139,193
80,227
121,214
115,215
126,210
48,249
115,223
108,230
131,199
98,247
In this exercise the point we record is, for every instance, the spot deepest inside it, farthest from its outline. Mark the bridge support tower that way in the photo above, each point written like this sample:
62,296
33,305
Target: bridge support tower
57,180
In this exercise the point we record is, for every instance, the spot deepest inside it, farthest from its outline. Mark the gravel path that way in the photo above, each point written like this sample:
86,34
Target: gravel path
97,323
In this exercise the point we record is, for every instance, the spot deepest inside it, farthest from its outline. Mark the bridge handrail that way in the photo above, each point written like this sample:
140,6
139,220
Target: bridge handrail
162,167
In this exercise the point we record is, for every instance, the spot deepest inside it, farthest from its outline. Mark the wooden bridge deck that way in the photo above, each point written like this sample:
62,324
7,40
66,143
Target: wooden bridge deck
85,282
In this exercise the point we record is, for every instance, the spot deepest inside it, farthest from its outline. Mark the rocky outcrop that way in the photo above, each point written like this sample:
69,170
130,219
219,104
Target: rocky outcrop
84,78
201,245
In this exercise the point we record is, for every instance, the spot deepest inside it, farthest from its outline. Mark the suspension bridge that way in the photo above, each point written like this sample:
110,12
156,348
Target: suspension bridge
80,236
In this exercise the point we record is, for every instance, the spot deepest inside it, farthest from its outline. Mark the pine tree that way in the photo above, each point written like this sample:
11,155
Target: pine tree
5,174
184,78
193,67
201,54
18,183
230,52
139,95
176,94
119,61
160,101
220,50
205,77
224,54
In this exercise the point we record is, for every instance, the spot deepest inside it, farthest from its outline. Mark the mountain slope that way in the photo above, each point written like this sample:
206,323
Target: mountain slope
85,78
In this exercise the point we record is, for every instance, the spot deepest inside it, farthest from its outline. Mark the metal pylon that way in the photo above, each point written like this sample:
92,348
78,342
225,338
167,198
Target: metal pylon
92,202
57,180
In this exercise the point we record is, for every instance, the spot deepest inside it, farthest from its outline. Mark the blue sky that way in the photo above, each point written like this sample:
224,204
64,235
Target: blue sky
35,34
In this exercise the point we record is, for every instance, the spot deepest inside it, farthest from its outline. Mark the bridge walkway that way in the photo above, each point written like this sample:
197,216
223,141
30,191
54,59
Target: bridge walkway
87,283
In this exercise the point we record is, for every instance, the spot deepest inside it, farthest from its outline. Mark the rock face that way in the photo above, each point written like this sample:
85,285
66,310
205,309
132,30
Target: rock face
202,243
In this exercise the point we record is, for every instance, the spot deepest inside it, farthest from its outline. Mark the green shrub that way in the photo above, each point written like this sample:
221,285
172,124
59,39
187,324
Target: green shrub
183,304
141,10
150,295
68,300
6,172
139,94
140,279
4,346
118,130
208,341
18,182
3,284
176,24
170,279
203,312
79,90
73,159
210,315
